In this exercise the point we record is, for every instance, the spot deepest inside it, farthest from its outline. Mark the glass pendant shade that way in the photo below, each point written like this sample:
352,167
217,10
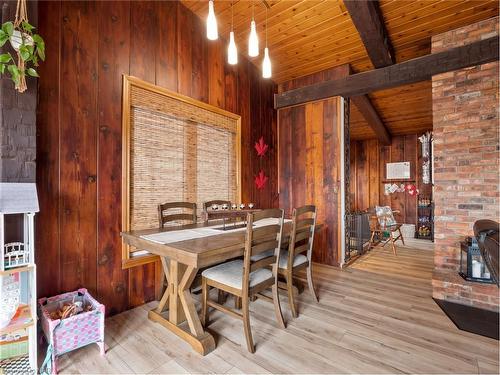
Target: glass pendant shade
253,41
266,64
212,32
232,51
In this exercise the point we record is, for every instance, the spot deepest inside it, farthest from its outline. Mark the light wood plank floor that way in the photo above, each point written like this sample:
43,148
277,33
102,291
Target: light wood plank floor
377,316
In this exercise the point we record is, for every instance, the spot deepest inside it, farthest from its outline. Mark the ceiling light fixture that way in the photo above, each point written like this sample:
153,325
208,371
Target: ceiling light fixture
253,39
266,63
232,51
212,32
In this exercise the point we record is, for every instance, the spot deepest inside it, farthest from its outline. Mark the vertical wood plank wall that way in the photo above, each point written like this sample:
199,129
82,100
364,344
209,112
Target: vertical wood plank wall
368,171
89,45
310,160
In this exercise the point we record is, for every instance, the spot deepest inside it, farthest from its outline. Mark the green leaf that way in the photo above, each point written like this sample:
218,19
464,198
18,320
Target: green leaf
2,68
5,58
40,46
23,51
41,51
3,38
8,28
14,72
27,27
34,58
37,39
32,72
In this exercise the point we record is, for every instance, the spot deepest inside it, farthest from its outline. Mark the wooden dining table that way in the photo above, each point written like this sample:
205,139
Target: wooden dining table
181,261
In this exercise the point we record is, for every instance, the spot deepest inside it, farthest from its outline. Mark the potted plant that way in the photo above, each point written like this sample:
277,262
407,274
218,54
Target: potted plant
29,47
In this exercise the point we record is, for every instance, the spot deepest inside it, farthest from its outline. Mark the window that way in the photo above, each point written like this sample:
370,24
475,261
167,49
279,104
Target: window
174,149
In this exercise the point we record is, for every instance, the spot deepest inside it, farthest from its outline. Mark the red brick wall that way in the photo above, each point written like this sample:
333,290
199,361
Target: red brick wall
466,145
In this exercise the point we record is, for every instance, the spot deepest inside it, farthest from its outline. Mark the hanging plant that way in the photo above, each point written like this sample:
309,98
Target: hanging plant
29,48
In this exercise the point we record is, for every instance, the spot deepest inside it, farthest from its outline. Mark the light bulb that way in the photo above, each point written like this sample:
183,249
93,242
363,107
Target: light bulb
232,51
253,41
266,64
212,33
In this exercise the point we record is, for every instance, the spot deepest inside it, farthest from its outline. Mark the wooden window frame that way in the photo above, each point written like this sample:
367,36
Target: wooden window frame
128,83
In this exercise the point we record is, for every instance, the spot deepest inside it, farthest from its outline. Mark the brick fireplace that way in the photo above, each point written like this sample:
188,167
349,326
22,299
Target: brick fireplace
466,150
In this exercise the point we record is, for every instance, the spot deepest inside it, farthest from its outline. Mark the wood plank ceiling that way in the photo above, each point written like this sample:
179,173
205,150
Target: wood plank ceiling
308,36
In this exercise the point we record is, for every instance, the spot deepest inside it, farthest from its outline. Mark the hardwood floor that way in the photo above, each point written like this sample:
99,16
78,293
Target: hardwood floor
377,316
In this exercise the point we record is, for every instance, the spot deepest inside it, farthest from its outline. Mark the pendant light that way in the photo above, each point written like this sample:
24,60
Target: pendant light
266,63
232,51
253,39
212,33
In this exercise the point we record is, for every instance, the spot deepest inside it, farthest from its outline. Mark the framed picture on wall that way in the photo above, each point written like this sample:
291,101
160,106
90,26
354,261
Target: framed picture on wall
398,171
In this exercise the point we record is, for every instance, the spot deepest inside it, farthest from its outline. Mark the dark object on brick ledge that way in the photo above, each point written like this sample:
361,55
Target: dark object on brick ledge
487,232
471,319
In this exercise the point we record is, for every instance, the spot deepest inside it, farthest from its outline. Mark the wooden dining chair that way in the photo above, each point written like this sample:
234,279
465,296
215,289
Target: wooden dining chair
208,204
299,253
218,202
246,278
179,214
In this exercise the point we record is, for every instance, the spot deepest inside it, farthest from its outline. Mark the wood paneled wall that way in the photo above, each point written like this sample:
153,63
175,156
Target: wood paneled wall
310,161
89,45
368,173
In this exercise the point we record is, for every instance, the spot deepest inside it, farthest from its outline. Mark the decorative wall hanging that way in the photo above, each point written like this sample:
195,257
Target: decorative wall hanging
426,140
261,147
412,190
401,188
28,46
426,172
261,180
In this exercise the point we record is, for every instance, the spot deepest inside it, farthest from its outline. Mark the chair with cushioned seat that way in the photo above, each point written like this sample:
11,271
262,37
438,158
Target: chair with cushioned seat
299,254
247,278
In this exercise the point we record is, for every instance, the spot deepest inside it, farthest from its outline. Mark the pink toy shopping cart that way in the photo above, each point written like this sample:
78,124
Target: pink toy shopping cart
64,335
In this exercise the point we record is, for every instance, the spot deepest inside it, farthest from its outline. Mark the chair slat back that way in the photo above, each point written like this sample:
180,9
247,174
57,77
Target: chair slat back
207,205
179,213
302,234
262,239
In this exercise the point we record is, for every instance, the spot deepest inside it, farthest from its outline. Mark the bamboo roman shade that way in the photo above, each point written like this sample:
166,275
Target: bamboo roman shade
178,149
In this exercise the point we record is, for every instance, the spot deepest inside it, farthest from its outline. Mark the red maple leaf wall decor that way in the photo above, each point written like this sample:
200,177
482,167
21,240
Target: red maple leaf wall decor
261,180
261,147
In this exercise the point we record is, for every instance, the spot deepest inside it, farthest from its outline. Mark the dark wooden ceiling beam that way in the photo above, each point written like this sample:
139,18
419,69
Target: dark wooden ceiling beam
411,71
371,116
369,22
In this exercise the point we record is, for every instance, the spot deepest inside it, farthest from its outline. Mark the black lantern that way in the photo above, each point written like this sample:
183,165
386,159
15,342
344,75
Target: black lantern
472,266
